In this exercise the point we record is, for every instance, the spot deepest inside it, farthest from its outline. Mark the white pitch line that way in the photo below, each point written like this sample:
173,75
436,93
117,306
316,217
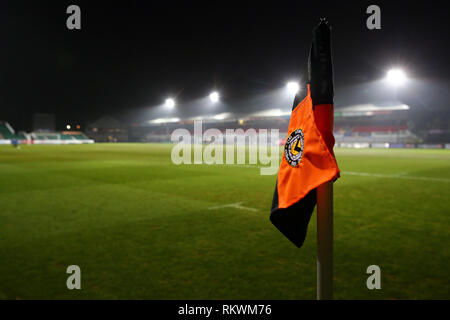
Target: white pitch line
394,176
236,205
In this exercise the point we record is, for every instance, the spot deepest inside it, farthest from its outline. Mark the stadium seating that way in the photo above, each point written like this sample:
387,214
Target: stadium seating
80,136
7,135
347,131
58,136
7,132
393,128
46,136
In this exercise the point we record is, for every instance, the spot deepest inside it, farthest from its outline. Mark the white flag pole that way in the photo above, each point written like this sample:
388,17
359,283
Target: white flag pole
325,241
321,81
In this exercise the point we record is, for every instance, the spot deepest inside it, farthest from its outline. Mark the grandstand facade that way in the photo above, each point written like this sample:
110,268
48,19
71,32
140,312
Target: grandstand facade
356,126
385,125
373,125
9,136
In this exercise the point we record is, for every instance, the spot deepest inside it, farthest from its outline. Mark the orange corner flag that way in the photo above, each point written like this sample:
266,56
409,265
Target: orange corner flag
308,159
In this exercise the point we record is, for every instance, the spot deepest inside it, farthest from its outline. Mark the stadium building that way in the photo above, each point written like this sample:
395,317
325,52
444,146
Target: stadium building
9,136
107,129
364,125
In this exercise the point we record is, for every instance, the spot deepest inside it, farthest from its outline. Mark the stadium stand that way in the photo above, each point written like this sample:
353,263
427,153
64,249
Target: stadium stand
365,125
9,135
65,137
355,126
107,129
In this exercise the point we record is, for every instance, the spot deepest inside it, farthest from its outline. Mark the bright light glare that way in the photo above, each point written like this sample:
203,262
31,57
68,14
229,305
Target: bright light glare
164,120
170,103
214,96
396,77
68,127
293,87
221,116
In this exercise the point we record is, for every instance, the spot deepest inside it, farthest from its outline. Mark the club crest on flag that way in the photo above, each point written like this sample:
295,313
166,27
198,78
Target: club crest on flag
293,149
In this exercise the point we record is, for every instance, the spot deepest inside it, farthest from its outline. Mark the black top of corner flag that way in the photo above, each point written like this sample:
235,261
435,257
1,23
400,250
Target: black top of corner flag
320,65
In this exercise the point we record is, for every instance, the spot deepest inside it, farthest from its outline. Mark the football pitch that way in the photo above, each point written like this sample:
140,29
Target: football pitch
140,227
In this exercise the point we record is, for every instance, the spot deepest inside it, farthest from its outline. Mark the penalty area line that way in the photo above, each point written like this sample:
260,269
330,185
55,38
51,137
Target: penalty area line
236,205
393,176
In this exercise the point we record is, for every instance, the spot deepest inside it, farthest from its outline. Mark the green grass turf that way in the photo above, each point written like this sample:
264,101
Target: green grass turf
140,227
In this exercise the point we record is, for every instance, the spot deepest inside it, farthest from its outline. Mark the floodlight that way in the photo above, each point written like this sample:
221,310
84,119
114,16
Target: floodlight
214,96
293,87
396,77
170,103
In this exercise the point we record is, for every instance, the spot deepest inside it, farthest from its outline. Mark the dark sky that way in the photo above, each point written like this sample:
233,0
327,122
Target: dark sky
131,55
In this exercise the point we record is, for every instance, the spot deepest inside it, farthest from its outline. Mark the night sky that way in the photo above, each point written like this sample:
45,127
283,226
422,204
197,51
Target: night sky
131,55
